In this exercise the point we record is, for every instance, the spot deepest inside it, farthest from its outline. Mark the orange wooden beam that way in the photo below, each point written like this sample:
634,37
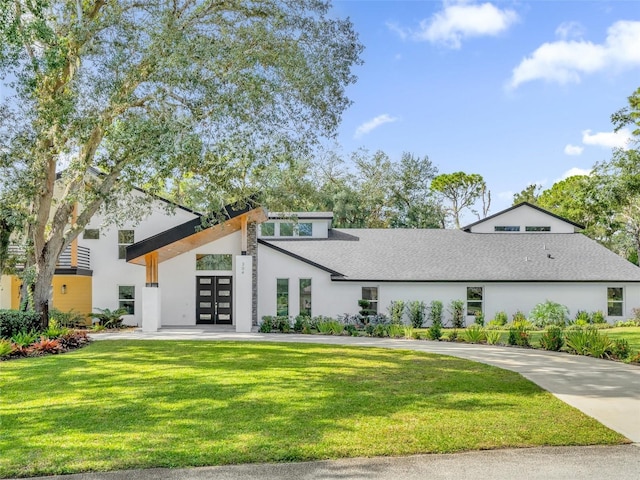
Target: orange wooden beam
151,262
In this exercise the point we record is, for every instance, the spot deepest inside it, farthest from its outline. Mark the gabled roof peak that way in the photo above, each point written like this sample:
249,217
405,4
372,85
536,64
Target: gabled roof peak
467,228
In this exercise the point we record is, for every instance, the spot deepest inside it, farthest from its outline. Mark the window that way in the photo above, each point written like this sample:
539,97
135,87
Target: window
125,238
615,302
282,297
286,229
537,229
268,229
506,228
127,298
371,295
215,261
91,234
305,229
474,300
305,296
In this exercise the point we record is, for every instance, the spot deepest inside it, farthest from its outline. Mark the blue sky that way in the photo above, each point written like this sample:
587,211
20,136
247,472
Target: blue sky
520,92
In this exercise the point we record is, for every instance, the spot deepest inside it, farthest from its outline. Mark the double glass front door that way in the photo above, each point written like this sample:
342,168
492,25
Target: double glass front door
213,300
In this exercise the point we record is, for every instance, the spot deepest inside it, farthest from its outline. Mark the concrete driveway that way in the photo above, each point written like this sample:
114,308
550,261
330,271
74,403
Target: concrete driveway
607,391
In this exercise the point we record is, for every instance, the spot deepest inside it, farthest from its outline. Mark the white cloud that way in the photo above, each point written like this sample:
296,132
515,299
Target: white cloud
374,123
574,171
573,149
569,30
458,20
619,139
567,61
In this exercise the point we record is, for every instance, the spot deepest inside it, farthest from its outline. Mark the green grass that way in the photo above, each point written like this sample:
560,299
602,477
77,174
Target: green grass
140,404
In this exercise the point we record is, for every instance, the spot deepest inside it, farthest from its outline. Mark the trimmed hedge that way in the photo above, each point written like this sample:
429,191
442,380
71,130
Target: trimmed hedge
15,321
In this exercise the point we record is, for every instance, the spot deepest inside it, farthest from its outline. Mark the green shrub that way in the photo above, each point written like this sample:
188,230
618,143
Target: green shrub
518,317
500,319
453,335
475,334
582,318
635,358
109,318
380,330
493,337
267,324
15,321
24,339
598,317
336,328
330,327
365,309
396,311
396,331
70,319
479,319
351,330
456,310
409,333
621,349
435,312
519,334
300,322
54,330
549,313
552,338
435,331
282,324
6,348
627,323
416,311
588,341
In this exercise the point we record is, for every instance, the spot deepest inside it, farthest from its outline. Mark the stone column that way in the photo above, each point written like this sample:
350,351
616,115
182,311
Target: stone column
252,250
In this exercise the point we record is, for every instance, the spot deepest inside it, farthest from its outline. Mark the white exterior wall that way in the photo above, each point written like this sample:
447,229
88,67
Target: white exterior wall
327,297
109,271
333,298
177,279
524,216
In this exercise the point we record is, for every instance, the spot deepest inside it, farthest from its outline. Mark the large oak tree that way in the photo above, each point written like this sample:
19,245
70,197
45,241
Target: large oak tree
145,91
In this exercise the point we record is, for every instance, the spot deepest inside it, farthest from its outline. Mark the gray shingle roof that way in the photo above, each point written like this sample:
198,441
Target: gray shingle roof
454,255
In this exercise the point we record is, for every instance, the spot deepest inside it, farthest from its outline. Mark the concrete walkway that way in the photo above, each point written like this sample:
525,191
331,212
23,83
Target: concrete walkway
607,391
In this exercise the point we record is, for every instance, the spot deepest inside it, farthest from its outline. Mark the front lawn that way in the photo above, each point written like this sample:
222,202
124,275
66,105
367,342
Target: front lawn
140,404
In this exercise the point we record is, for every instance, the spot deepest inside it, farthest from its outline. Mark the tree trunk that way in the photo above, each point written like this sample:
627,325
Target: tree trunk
45,268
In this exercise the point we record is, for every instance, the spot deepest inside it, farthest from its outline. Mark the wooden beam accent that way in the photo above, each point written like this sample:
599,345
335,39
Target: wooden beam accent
243,226
151,262
74,242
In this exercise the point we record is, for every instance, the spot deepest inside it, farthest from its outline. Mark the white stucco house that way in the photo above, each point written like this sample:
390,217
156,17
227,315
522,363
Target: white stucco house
174,270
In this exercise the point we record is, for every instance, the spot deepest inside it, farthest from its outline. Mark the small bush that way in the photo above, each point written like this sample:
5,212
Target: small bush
24,339
635,358
453,335
588,341
479,319
435,331
6,348
396,331
396,311
518,317
45,346
500,319
620,349
300,322
54,330
73,340
549,313
598,317
380,330
456,309
15,321
475,334
582,318
416,311
267,324
552,339
282,324
70,319
351,330
628,323
519,334
493,337
109,318
409,333
435,312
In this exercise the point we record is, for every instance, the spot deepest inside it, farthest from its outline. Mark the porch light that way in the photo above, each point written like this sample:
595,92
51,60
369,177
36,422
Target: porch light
63,289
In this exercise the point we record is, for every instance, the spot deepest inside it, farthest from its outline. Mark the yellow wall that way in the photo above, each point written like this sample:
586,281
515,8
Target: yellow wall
77,297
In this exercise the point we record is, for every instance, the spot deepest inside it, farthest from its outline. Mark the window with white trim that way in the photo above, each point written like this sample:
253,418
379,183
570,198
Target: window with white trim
282,297
370,294
125,238
615,301
127,298
474,300
305,296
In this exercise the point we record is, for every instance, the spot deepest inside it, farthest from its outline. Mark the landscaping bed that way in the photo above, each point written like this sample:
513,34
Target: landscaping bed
143,404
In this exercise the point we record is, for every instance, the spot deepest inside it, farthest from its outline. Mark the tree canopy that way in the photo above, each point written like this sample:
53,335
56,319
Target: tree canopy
462,190
145,91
